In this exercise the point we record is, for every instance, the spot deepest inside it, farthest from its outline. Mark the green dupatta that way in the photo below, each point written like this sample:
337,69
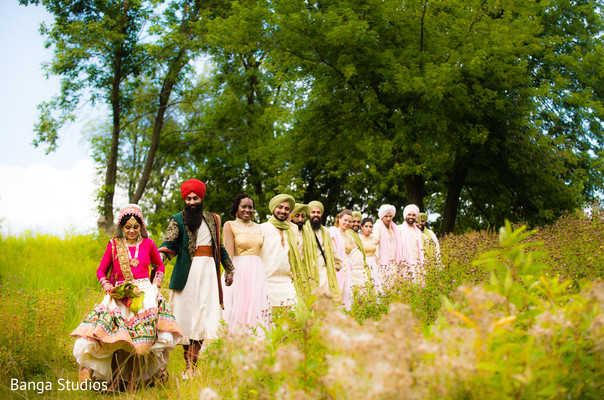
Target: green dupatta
311,260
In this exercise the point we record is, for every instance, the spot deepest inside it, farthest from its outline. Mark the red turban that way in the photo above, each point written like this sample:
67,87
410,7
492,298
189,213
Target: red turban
193,186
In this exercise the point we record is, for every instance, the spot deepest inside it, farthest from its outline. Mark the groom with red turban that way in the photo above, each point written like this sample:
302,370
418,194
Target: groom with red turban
193,237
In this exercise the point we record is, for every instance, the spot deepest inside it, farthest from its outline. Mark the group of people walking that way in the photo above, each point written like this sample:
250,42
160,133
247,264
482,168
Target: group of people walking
126,340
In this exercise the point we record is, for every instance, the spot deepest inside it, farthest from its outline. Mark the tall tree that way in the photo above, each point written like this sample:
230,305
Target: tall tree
237,147
180,40
167,41
96,49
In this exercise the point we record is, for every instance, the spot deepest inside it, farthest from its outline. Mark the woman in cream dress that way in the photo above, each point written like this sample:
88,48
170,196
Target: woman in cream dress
352,252
246,302
370,243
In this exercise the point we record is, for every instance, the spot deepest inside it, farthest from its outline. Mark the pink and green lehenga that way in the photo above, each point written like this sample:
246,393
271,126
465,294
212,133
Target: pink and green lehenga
112,334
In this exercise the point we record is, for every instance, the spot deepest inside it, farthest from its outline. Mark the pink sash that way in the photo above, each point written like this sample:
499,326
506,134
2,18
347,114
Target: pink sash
384,244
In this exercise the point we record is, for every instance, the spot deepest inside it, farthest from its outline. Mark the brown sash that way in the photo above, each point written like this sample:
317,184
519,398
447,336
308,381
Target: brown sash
204,251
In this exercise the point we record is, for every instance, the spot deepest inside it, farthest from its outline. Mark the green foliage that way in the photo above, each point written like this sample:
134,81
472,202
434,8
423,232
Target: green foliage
525,320
291,358
94,44
477,110
50,262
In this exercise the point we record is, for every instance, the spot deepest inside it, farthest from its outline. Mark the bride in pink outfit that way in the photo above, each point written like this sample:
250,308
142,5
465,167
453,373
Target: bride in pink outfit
126,340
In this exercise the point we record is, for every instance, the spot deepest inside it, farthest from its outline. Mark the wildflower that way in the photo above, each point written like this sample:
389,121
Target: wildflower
208,394
287,359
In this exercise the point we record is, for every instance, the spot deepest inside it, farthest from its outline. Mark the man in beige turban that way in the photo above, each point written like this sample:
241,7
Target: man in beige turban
430,241
320,259
299,216
357,217
280,254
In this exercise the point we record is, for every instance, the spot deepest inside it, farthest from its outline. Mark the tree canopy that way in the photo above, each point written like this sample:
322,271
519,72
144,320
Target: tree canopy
477,110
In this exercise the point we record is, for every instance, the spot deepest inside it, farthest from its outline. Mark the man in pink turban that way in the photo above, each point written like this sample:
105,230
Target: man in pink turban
389,251
413,249
193,237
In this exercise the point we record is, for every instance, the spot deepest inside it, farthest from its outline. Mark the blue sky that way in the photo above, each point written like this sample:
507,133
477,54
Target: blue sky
41,193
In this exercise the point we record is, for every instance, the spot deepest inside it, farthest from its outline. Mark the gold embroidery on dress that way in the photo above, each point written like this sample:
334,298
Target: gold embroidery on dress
171,232
211,225
214,230
123,256
192,240
246,227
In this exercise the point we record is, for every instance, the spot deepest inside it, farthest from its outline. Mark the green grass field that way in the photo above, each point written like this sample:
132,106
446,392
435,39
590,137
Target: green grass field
506,315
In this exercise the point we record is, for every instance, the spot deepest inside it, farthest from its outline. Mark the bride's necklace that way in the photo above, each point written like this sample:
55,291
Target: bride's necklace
133,261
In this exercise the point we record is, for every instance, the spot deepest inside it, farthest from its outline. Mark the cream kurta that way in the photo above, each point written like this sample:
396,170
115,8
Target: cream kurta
197,307
298,233
275,257
337,261
323,282
431,246
359,275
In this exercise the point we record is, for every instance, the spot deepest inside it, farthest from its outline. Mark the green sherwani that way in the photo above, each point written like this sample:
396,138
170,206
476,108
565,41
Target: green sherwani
181,242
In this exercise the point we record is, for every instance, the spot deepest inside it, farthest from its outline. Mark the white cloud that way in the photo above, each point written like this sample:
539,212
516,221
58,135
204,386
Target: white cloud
44,199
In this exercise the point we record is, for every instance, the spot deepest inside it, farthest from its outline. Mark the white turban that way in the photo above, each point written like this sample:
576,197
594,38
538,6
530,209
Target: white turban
410,208
385,209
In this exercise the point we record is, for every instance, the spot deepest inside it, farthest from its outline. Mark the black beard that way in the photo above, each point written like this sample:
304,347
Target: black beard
315,223
300,225
193,215
279,217
356,229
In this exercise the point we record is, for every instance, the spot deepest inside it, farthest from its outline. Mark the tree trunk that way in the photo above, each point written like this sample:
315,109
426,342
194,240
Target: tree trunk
415,185
164,97
456,182
176,65
111,173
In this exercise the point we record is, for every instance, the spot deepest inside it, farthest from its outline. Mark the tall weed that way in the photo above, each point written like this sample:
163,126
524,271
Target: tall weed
522,334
